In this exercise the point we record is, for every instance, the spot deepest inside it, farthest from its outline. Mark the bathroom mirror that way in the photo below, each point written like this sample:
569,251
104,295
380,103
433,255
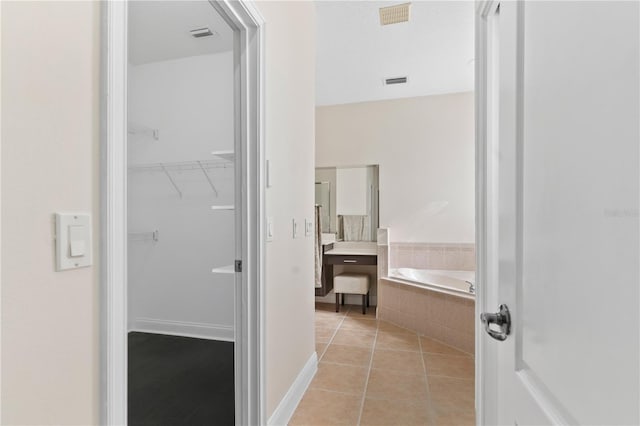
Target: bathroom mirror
323,198
348,197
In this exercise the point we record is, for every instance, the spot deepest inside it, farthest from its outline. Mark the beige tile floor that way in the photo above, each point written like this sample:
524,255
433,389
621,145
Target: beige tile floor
374,373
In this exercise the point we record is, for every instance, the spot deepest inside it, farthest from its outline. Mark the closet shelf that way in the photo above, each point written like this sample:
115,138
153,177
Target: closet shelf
138,129
144,236
227,156
223,207
180,166
229,269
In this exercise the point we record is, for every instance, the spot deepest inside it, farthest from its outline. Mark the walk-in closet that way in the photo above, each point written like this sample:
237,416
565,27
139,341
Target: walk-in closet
181,216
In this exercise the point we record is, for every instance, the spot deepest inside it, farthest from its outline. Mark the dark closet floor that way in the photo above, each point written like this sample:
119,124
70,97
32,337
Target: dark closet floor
180,381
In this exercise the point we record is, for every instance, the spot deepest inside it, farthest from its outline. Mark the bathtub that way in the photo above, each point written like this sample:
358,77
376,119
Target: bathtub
430,302
455,283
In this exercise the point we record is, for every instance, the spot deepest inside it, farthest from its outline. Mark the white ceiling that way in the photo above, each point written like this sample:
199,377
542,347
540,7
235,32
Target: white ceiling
159,30
435,49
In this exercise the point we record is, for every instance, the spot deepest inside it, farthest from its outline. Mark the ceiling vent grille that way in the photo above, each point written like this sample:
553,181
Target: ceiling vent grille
395,14
395,80
202,32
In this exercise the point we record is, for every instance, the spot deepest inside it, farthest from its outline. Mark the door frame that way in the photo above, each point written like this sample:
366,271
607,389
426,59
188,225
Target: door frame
486,210
249,67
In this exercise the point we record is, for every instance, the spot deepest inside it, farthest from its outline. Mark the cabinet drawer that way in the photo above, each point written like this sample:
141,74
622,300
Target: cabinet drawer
338,259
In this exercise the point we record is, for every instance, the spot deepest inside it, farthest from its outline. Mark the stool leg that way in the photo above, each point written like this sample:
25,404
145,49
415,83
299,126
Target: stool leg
337,302
342,299
368,300
364,303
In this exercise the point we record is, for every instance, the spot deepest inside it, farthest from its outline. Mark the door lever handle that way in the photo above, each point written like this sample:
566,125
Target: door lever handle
502,319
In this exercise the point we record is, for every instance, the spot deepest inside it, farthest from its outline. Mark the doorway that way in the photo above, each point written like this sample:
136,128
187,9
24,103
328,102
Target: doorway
410,358
181,214
182,244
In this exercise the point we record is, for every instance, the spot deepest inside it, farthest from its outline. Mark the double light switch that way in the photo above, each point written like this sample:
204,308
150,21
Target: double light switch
73,240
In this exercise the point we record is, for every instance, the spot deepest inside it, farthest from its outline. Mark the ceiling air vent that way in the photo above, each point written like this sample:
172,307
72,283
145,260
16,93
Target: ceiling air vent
395,80
395,14
202,32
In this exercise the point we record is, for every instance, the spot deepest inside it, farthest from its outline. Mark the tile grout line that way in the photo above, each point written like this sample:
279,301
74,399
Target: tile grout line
334,334
342,364
335,391
431,410
426,379
366,383
451,377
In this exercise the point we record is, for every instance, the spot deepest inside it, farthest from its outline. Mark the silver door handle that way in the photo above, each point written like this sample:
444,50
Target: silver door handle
502,319
349,261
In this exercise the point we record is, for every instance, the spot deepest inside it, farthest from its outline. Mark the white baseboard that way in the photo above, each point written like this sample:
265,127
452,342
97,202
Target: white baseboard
283,412
183,328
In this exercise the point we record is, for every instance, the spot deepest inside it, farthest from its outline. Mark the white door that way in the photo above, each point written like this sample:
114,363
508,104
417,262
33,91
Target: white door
562,202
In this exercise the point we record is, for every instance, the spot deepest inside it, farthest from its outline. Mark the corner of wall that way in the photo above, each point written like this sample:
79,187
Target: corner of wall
290,149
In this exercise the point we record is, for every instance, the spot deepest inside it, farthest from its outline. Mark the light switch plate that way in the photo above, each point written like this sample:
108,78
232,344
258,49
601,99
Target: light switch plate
295,228
73,240
308,227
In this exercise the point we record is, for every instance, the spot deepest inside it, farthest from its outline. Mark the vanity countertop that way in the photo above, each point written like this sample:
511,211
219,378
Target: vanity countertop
346,254
353,249
352,252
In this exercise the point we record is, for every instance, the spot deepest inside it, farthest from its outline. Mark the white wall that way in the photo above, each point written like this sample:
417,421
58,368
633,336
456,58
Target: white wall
50,156
50,143
290,105
171,287
425,149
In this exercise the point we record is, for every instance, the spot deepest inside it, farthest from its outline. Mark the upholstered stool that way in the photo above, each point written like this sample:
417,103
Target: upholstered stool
352,283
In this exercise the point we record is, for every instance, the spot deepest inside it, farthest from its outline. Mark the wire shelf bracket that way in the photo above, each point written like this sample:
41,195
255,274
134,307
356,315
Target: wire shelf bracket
206,175
166,172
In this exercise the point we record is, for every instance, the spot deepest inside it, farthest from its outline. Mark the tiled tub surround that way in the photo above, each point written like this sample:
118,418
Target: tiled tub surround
450,256
449,319
383,261
374,373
